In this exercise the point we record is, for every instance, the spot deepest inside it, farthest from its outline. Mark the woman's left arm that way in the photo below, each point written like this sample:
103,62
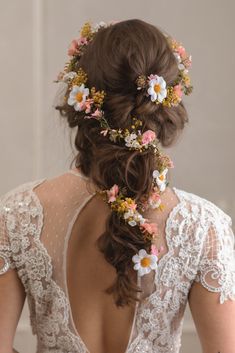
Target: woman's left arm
215,322
212,294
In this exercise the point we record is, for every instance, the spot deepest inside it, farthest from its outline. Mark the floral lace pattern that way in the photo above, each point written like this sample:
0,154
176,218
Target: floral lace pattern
200,248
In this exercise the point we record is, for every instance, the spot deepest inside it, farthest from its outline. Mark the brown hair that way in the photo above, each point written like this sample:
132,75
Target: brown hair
113,60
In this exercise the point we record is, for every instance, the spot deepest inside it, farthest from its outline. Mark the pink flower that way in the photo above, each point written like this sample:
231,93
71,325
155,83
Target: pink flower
181,51
178,90
73,48
97,114
152,77
148,136
112,193
82,41
151,228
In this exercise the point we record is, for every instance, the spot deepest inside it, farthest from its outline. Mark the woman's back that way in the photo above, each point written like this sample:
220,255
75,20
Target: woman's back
52,228
102,326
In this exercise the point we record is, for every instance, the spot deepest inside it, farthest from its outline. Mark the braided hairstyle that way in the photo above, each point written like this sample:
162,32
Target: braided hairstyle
113,60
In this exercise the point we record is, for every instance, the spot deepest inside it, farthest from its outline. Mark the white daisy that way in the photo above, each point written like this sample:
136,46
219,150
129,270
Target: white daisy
160,178
78,96
157,88
144,262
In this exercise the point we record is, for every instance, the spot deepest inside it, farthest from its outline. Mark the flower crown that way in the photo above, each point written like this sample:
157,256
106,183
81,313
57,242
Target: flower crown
89,102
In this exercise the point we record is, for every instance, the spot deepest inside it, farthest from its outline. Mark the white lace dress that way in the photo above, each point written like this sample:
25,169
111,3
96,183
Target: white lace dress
34,238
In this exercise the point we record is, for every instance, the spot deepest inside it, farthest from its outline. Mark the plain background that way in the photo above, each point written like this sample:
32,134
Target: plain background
34,143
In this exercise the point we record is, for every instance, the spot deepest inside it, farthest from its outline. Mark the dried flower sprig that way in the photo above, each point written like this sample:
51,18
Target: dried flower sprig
132,137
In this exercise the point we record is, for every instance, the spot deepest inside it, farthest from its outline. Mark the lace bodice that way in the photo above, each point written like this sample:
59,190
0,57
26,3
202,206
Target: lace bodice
34,234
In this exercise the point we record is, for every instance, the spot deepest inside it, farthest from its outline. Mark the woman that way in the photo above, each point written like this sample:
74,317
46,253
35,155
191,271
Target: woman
107,253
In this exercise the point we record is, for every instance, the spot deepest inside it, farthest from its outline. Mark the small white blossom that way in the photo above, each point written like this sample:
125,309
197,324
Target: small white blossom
177,56
131,141
141,219
69,76
128,214
100,25
181,67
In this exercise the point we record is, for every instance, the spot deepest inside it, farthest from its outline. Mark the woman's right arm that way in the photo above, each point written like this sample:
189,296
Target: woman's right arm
12,298
12,293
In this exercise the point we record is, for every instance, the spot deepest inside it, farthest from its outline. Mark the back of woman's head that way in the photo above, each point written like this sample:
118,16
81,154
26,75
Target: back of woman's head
113,60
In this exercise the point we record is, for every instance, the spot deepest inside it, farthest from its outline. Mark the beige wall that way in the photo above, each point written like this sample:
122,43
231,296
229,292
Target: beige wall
33,40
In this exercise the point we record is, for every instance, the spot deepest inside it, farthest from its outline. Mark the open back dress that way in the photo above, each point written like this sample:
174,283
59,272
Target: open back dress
43,226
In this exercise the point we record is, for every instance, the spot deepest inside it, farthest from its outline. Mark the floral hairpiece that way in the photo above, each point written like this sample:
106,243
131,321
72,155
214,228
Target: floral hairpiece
133,137
89,102
128,209
155,86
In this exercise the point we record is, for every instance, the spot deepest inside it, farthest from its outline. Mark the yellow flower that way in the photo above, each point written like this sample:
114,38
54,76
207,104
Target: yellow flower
186,80
98,97
86,30
80,78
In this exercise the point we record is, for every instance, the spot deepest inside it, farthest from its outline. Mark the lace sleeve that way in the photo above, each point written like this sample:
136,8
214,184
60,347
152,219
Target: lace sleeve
216,270
6,261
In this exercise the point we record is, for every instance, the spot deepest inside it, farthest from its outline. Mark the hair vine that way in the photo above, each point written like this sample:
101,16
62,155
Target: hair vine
89,102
